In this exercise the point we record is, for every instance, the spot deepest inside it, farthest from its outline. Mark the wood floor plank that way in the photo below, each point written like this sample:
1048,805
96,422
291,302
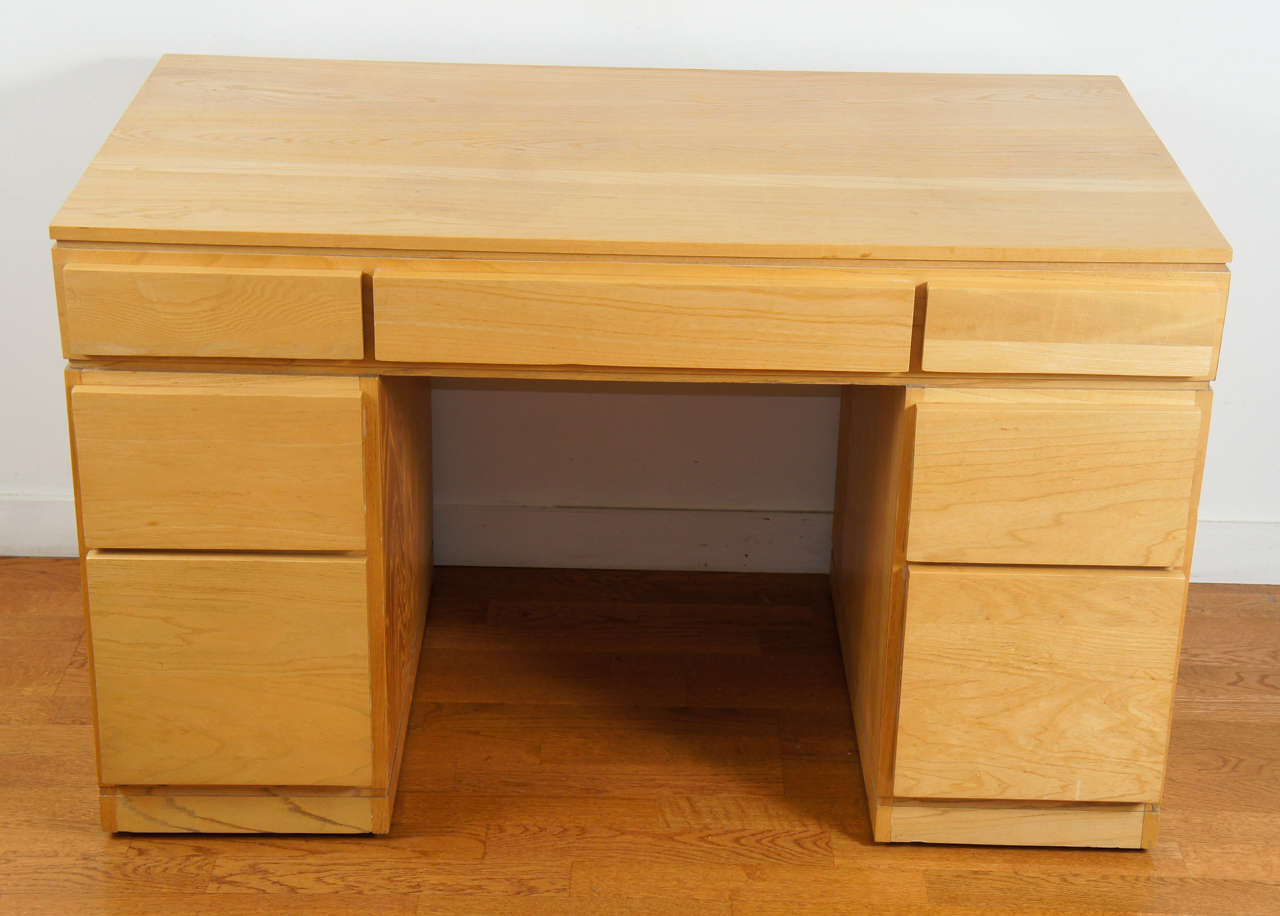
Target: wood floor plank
791,885
336,872
1223,763
697,777
115,869
29,710
560,905
203,904
1209,599
34,666
422,811
1241,694
836,814
789,681
1103,893
1247,642
559,677
452,843
642,848
75,679
600,626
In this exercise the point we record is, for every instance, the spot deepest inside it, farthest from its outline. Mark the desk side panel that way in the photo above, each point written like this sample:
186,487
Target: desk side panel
401,535
867,572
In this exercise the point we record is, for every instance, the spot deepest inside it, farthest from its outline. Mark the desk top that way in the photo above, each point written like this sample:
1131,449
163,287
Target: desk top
343,154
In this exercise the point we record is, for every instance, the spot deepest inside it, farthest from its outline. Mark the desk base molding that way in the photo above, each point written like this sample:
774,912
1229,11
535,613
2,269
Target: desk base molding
1099,825
173,809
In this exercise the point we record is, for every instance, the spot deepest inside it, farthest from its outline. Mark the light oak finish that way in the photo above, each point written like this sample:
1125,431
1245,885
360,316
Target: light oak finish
207,462
1013,282
287,811
745,794
1045,684
1143,323
156,310
867,578
398,494
231,669
623,271
682,162
518,312
388,600
1101,826
1049,478
389,472
497,373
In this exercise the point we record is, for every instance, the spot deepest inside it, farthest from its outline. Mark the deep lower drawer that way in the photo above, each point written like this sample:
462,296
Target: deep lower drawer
167,309
1053,684
230,669
1090,478
204,461
645,315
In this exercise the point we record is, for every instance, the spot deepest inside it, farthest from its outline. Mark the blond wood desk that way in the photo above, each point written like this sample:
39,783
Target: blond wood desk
267,262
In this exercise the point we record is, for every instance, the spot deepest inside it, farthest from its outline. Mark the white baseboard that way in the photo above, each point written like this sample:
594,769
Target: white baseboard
44,525
38,525
633,538
1245,552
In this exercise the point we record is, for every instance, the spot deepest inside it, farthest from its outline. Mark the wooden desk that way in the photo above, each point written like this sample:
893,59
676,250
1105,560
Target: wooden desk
267,262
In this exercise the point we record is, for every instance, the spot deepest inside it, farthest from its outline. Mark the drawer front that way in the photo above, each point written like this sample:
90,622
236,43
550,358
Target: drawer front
526,313
1039,482
1052,684
152,310
230,669
208,463
1096,323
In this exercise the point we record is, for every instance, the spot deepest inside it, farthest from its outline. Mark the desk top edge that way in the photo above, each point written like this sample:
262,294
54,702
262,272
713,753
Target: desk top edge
606,161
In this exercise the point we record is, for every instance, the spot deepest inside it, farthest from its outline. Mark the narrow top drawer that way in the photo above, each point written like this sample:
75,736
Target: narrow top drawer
1065,478
204,461
644,315
1076,322
114,309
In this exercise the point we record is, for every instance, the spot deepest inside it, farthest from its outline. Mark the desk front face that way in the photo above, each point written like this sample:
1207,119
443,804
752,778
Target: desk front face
1022,435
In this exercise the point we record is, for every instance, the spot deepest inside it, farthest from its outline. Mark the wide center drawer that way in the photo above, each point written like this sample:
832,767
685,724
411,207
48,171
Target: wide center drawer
210,462
1059,477
644,315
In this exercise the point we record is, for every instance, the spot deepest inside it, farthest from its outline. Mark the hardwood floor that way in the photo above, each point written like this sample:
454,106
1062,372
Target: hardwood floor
619,742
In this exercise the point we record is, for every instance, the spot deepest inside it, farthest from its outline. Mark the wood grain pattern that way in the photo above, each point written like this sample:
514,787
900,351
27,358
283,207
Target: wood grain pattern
496,372
292,811
397,496
1102,826
563,159
230,669
621,268
158,310
1216,852
208,462
656,315
1162,324
1050,684
405,481
1053,479
867,571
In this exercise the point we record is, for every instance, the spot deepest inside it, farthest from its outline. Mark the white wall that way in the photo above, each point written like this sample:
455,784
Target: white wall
657,476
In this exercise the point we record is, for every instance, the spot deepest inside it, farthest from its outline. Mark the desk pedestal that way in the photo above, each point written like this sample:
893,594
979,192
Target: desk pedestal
1009,570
